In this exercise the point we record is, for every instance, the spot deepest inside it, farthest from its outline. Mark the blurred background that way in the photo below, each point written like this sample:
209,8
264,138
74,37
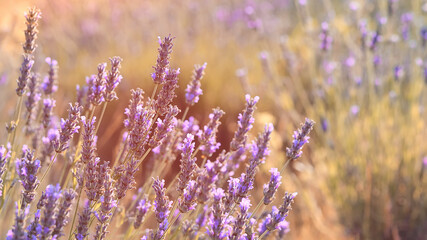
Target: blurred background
358,68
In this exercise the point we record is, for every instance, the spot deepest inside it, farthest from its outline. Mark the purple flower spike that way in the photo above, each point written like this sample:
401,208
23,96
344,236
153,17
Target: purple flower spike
167,93
48,85
193,90
89,140
33,97
164,127
68,128
165,50
104,213
113,79
271,188
4,155
61,218
162,203
187,201
48,104
245,123
325,38
258,152
207,136
32,16
18,231
134,105
98,87
27,168
138,136
126,180
240,221
34,229
53,193
279,215
187,163
25,70
142,208
300,138
84,219
205,182
216,223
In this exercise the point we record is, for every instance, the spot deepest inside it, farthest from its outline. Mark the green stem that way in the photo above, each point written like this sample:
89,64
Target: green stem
48,168
256,208
263,235
75,213
185,113
101,116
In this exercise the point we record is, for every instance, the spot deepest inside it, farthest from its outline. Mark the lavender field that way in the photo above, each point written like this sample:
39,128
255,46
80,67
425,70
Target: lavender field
240,120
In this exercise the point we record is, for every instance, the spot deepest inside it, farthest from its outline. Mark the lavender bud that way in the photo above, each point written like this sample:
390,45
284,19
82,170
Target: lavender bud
33,97
25,70
89,140
241,219
34,229
84,218
271,188
165,50
104,213
48,85
244,124
32,16
187,163
300,138
142,208
216,223
4,155
126,180
68,128
207,137
279,215
98,87
187,201
48,104
162,203
18,229
193,90
113,79
205,181
167,93
164,127
138,136
325,38
134,105
63,212
48,145
27,168
48,221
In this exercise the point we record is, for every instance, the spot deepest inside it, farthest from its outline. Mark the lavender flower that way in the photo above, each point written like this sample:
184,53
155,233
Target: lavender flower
48,144
207,137
217,221
258,152
34,229
98,87
48,85
205,181
104,213
240,221
90,82
167,93
68,128
271,188
89,140
81,92
164,127
113,79
33,96
4,155
187,201
138,136
325,38
193,90
300,138
165,50
231,196
142,208
162,203
244,124
25,70
84,218
18,229
187,163
126,180
134,106
279,215
49,218
27,168
48,104
61,216
32,16
90,176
